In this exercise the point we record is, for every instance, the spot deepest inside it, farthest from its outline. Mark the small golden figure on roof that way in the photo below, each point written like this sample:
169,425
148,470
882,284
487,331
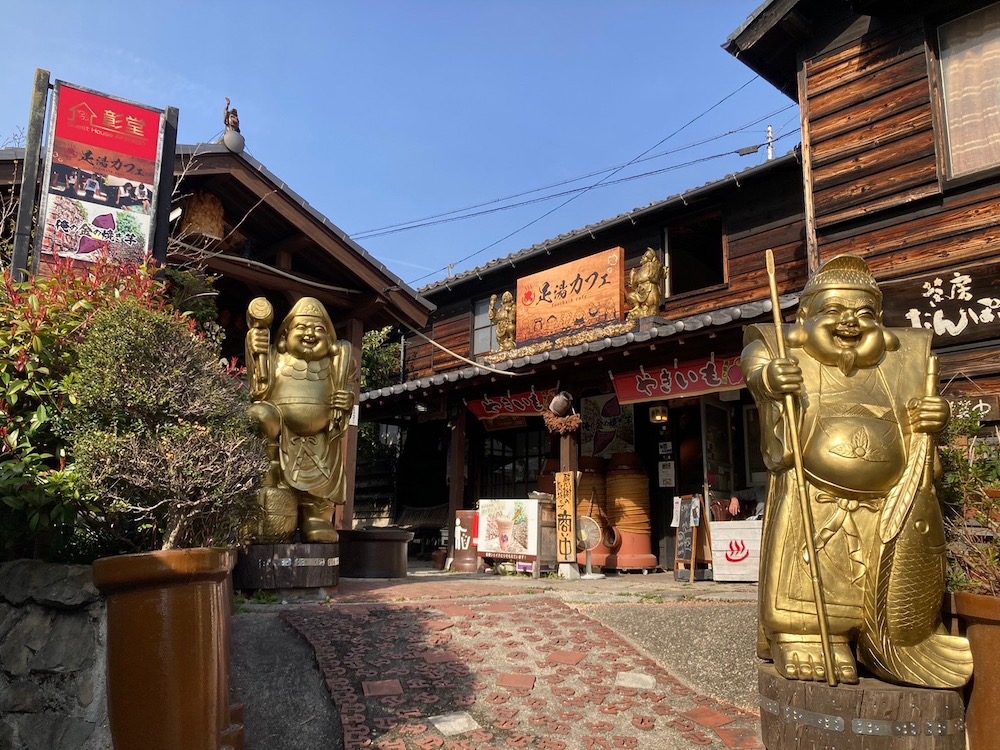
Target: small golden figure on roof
231,118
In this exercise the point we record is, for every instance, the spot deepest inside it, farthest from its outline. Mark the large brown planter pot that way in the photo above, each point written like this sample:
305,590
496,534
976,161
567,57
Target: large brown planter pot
169,649
980,617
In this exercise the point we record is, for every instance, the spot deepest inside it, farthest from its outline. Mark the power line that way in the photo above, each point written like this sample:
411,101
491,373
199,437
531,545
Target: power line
753,148
583,192
415,223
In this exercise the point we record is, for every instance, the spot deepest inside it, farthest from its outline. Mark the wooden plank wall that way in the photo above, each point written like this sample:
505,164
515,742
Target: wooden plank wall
876,185
756,218
452,328
874,166
869,119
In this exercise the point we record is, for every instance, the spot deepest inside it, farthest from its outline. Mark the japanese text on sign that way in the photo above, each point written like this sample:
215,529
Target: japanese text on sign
575,296
528,404
565,518
688,379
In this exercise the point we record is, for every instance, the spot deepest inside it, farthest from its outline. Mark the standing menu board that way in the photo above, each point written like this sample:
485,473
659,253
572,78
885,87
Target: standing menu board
693,550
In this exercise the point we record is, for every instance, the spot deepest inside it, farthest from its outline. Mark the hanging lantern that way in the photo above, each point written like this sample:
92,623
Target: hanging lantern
659,414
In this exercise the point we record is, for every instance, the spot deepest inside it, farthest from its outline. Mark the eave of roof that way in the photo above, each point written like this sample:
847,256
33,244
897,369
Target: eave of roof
395,282
723,316
548,245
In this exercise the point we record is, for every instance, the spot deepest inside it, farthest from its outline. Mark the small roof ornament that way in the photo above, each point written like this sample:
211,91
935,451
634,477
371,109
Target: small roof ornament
232,139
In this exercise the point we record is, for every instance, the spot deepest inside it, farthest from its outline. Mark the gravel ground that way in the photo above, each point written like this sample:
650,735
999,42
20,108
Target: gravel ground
709,646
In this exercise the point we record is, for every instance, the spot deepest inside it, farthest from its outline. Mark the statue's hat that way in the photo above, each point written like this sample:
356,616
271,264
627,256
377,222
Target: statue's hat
307,307
843,272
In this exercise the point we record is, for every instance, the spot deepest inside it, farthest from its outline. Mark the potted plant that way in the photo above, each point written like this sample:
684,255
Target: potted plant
170,465
969,490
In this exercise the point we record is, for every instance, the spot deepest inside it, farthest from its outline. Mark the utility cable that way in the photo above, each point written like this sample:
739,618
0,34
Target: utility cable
378,231
583,192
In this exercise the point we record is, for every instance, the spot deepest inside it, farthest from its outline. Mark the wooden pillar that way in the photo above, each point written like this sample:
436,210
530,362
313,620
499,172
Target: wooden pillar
353,331
569,452
569,460
456,474
812,242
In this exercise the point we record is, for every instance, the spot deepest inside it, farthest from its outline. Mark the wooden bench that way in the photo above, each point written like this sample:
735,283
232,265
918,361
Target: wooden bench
429,526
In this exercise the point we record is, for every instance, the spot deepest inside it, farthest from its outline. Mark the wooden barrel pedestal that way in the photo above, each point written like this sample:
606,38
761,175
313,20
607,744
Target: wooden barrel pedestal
872,715
288,566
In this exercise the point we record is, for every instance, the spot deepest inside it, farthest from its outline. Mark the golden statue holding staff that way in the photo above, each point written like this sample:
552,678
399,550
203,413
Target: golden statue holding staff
303,389
646,284
853,541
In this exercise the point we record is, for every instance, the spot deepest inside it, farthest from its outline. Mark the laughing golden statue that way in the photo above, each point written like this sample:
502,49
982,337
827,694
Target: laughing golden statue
853,544
303,389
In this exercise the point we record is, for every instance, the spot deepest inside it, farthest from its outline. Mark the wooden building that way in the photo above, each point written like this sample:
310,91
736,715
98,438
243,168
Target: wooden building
474,412
901,156
898,163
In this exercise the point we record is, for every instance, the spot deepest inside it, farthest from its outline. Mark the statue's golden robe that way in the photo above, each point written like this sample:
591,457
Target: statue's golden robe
856,444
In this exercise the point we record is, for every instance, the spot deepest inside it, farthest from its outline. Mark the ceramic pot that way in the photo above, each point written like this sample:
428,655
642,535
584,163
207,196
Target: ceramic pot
168,649
980,618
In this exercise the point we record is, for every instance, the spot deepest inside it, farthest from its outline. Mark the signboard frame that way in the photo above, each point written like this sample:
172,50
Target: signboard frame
104,180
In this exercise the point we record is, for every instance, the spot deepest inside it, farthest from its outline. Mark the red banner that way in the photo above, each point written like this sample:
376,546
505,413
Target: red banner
530,404
688,379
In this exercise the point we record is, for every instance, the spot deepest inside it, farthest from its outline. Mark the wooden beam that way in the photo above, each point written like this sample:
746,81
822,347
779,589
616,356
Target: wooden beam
456,474
232,268
812,244
353,331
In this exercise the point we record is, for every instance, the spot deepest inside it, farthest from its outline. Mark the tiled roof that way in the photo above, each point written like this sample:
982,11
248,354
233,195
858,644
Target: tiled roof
747,311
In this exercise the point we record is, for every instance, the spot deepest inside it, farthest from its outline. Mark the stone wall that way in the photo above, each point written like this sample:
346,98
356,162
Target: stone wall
53,633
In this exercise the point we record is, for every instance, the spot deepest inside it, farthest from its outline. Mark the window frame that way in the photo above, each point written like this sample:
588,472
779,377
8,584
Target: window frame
494,344
939,118
716,215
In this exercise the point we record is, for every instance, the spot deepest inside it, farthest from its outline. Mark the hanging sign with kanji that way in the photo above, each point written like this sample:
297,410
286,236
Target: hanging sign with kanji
686,379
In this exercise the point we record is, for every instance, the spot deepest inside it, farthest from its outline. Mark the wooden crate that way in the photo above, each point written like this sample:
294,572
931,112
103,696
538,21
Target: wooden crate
736,550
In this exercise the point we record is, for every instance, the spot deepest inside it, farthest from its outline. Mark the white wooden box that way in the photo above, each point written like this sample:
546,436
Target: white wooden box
735,550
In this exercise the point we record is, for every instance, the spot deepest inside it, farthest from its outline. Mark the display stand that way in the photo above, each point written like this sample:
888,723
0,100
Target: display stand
693,551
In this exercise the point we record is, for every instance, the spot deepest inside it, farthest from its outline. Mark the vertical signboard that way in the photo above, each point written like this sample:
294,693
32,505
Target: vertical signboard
102,167
566,516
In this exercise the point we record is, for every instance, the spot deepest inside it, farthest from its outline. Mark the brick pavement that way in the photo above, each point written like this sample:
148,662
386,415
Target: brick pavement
423,664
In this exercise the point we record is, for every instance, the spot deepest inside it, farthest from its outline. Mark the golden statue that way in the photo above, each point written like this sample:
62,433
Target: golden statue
505,320
646,284
303,393
853,539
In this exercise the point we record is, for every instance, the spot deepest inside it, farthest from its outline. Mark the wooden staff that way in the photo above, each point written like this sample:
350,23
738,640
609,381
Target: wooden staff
791,412
930,389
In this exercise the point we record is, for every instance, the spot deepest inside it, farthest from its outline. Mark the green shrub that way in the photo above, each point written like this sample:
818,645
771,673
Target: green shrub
971,469
41,323
159,435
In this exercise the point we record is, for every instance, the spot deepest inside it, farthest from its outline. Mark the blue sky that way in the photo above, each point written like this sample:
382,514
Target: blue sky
381,112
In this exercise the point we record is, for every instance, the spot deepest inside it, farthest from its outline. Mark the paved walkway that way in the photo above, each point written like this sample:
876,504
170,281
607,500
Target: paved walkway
465,662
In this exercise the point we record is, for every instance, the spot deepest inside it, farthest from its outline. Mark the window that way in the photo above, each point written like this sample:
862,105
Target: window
694,257
512,461
484,335
968,50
